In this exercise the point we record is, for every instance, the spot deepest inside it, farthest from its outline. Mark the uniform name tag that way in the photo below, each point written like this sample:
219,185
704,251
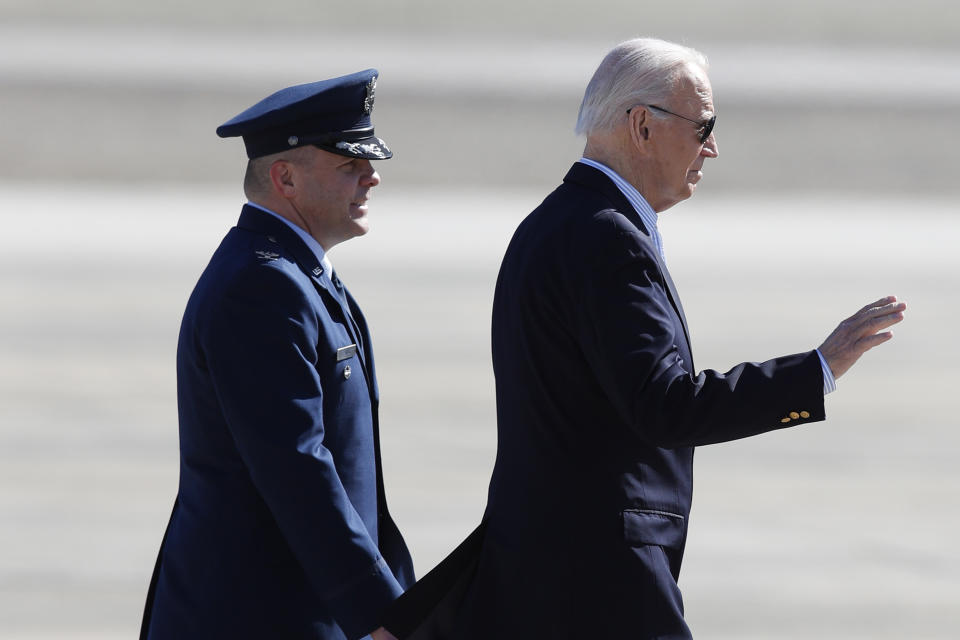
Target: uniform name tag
346,352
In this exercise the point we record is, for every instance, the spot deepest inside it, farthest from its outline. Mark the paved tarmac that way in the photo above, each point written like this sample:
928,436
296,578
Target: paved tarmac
836,185
843,529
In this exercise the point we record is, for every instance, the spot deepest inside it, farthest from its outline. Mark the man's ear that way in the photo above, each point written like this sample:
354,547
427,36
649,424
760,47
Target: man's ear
639,132
281,178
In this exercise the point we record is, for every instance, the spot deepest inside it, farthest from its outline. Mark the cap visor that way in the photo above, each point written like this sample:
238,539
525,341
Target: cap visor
372,148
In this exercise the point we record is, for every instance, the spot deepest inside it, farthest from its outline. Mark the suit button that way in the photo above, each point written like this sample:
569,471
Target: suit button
346,372
804,414
785,420
794,415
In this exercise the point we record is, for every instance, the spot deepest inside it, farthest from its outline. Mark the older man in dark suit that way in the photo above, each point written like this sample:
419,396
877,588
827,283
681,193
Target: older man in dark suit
281,529
599,404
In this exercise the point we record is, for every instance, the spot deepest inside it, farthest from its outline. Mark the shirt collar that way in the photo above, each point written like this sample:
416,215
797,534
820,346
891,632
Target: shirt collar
639,203
309,240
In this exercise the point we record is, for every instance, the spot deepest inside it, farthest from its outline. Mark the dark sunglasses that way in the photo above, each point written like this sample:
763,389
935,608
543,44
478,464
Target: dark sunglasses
705,127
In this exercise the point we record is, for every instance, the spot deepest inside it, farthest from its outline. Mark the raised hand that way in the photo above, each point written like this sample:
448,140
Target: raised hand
861,332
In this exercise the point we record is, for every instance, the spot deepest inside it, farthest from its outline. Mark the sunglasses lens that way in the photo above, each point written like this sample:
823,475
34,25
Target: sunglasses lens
708,129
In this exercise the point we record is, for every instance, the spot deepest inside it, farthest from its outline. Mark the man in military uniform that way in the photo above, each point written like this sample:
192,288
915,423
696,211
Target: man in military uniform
280,528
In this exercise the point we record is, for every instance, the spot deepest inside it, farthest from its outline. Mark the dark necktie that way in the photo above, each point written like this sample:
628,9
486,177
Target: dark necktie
342,294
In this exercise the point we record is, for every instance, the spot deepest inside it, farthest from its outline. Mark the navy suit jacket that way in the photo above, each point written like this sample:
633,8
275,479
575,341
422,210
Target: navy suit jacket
599,409
280,529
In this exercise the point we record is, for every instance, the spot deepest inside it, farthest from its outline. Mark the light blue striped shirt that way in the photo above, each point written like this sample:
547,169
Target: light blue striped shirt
650,218
643,209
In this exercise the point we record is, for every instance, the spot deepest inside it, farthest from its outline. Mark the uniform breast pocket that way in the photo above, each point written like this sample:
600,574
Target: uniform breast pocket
652,527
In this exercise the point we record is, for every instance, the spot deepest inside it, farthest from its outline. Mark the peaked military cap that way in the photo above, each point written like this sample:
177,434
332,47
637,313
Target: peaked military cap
331,114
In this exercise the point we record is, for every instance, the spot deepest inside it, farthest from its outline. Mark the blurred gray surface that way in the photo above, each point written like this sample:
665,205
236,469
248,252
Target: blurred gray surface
841,529
836,185
141,102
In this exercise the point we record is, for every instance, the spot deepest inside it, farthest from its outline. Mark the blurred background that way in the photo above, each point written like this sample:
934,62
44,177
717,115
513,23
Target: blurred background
836,185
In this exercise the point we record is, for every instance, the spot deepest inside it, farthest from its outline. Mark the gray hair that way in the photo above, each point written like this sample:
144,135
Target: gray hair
256,179
638,71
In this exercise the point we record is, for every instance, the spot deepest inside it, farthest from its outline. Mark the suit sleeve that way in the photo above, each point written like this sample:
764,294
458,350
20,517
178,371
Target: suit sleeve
632,336
261,347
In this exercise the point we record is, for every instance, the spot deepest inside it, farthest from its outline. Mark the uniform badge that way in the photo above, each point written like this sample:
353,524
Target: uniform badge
344,353
368,101
317,271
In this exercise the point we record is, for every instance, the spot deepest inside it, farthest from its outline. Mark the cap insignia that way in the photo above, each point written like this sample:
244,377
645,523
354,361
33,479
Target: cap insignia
368,101
349,147
358,149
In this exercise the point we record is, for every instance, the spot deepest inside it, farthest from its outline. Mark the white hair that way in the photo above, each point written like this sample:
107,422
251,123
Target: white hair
638,71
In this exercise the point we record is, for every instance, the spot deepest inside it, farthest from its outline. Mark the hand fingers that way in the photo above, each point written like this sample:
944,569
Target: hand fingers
878,303
893,307
870,342
861,332
888,317
870,325
871,311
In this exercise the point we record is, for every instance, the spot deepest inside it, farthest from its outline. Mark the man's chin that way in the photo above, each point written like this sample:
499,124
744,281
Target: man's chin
361,226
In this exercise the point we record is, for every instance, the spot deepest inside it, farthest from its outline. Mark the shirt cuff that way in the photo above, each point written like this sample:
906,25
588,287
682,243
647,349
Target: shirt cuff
829,382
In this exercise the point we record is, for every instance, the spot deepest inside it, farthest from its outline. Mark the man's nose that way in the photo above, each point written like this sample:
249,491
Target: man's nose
710,148
371,176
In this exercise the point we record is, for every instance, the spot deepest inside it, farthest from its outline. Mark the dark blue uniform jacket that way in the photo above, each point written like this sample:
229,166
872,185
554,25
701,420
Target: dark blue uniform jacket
280,528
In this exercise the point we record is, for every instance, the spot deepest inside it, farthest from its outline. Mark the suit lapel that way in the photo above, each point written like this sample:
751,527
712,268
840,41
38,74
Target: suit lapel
252,219
675,299
596,180
326,289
